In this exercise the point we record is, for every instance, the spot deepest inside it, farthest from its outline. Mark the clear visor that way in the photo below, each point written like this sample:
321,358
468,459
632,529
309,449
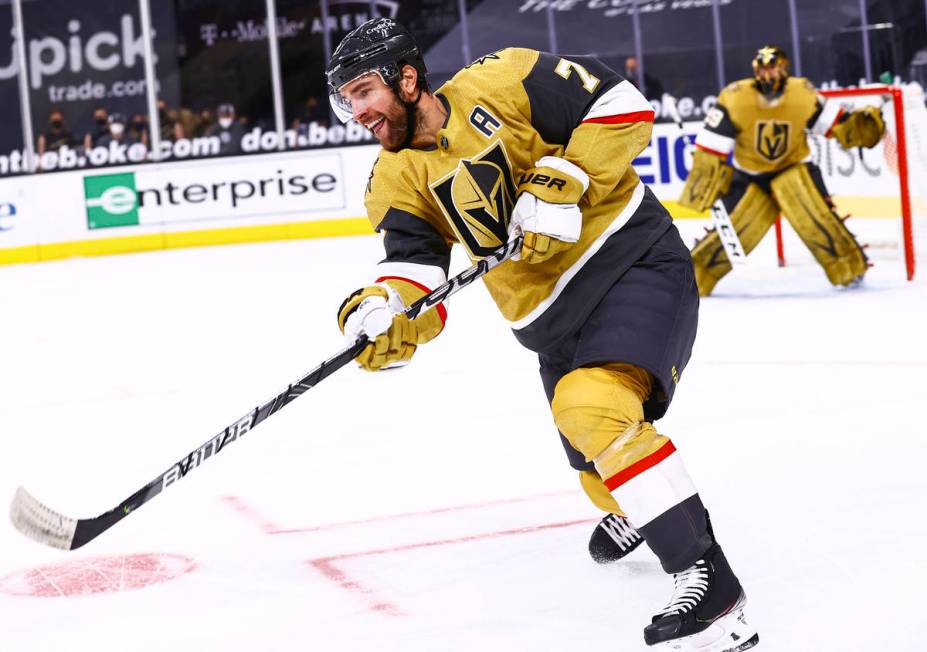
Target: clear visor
342,105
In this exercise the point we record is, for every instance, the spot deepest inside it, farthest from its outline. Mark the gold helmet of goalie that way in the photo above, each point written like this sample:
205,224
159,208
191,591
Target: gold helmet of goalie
771,70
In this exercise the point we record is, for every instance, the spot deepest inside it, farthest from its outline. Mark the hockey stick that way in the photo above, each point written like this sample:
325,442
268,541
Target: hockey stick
47,526
728,234
719,215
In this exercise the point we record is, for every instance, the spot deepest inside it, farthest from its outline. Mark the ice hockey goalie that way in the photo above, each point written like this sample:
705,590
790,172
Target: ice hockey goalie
760,124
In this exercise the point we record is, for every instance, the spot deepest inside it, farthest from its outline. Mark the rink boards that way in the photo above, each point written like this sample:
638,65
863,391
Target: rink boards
304,194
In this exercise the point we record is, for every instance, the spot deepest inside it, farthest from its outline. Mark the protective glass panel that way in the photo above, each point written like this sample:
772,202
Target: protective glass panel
490,26
302,63
831,42
679,55
86,76
215,95
898,40
602,31
746,27
12,154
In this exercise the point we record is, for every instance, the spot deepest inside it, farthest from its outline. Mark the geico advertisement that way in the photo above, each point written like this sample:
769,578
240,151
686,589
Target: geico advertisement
665,163
178,194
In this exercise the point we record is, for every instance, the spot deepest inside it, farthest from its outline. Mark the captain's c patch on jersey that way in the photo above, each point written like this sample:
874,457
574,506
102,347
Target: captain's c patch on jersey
477,199
772,138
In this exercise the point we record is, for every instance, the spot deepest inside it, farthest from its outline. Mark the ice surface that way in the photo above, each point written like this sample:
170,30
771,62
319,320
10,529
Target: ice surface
432,508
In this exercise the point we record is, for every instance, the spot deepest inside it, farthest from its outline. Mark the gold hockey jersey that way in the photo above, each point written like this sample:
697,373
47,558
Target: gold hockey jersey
505,111
766,135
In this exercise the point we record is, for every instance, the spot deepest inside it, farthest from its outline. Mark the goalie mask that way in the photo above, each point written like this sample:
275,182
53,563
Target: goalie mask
380,46
771,70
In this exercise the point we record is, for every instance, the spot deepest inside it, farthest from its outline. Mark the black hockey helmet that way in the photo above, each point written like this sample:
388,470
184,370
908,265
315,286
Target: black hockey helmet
380,46
771,70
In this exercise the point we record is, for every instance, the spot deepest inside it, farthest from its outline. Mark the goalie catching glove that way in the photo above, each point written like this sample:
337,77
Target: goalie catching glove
546,211
861,128
376,311
709,179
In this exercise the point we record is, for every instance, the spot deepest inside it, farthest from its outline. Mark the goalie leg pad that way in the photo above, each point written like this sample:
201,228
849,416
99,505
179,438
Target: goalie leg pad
709,178
815,222
752,216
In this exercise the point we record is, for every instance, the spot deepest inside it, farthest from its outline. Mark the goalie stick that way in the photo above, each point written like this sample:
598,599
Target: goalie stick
47,526
719,215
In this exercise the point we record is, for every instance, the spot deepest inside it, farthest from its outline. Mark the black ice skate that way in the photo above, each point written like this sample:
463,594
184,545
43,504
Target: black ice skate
613,538
705,613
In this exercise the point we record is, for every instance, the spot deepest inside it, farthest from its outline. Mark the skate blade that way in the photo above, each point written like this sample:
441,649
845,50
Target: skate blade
730,633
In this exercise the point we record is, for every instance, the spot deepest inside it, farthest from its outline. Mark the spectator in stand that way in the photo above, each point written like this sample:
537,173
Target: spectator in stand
207,118
117,132
652,90
138,128
313,111
228,130
56,135
100,127
171,129
188,121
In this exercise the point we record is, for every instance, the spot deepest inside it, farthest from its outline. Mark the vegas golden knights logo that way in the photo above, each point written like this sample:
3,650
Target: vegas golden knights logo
478,198
772,138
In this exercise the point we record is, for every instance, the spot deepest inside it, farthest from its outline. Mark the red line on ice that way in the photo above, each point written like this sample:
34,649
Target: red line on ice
265,524
326,565
428,512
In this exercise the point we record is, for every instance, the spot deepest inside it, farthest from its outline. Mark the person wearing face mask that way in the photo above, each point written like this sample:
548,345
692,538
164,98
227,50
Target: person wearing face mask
117,132
56,135
137,129
228,130
100,127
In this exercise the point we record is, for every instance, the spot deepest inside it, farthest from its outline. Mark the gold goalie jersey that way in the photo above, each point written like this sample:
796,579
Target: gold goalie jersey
505,111
766,135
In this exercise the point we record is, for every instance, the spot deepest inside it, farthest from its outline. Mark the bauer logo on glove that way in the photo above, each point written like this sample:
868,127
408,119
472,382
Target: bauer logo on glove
547,211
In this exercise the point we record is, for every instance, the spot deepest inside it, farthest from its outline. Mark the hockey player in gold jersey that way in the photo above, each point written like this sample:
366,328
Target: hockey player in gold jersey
762,121
522,142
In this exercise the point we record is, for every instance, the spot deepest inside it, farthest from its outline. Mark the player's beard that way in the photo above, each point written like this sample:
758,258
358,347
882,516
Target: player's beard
401,121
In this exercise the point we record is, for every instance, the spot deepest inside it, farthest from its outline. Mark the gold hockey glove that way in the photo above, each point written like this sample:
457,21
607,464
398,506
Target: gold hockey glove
861,128
376,311
546,211
709,178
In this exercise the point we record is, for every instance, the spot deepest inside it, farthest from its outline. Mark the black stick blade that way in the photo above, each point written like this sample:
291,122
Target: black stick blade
40,523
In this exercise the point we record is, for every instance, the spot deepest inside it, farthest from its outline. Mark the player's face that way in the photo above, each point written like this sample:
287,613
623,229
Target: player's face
375,106
771,76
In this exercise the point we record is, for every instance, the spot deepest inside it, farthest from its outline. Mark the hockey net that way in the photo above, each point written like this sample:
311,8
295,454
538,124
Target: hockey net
884,189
